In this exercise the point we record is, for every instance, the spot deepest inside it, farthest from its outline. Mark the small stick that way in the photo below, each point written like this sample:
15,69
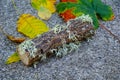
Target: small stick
33,50
103,27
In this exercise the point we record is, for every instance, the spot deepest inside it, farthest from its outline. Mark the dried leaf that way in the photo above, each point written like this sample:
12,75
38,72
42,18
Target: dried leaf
68,8
13,58
45,7
15,39
31,26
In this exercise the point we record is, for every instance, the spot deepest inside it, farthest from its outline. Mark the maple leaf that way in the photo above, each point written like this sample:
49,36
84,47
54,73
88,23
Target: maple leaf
45,8
13,58
31,26
93,8
68,0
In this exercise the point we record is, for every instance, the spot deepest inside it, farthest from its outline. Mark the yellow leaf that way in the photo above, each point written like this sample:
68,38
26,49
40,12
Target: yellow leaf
36,4
50,5
31,26
44,13
47,4
13,58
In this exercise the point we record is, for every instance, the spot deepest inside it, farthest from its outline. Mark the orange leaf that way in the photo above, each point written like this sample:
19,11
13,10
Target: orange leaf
15,39
67,15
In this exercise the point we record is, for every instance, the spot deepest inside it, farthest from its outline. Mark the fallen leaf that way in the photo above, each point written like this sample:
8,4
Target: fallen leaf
44,13
31,26
68,0
45,8
36,4
67,15
15,39
50,5
13,58
70,9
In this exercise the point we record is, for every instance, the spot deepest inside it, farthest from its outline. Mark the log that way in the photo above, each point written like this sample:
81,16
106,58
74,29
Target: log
34,49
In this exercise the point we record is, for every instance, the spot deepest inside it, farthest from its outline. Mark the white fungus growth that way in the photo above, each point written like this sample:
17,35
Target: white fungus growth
35,64
29,47
63,41
43,57
72,36
59,28
65,49
85,18
53,50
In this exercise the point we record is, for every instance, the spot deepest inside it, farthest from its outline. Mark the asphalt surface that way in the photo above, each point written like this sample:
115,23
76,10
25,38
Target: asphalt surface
96,59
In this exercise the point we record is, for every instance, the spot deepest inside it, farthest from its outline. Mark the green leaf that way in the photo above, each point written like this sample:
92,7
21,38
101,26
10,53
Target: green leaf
104,11
13,58
93,8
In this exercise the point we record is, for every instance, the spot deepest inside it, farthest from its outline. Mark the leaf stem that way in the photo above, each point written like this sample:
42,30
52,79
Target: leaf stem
17,11
103,27
2,31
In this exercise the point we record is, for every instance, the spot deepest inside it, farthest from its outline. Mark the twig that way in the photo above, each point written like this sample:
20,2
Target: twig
2,31
17,11
103,27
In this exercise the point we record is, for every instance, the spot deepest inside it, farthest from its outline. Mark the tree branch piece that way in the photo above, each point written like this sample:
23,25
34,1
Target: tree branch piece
37,48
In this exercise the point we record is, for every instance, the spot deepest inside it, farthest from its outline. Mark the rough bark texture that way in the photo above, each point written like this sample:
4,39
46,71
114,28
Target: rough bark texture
75,31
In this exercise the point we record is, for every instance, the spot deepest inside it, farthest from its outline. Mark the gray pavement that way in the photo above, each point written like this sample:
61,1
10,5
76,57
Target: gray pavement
98,59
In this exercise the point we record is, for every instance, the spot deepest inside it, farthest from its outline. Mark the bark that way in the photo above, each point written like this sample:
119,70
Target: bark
76,30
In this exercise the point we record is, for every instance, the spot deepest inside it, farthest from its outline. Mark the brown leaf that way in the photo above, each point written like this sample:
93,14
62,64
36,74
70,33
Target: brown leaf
16,39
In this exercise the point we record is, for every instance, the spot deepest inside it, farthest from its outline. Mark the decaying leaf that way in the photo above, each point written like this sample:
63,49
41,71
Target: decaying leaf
31,26
70,9
13,58
45,5
16,39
